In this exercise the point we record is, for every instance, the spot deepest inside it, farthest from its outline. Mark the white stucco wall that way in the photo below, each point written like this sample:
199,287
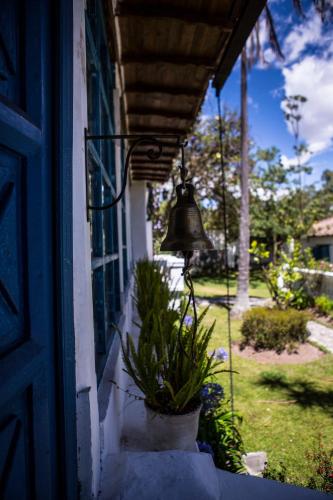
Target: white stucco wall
99,410
87,408
322,282
142,239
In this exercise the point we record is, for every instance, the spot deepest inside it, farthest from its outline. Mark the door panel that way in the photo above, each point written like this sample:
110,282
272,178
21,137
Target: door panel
28,421
15,443
12,250
11,51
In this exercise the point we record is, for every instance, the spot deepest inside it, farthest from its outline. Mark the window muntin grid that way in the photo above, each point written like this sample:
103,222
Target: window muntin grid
108,269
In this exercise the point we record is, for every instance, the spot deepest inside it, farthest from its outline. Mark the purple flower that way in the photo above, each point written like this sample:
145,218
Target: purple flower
212,395
188,320
220,354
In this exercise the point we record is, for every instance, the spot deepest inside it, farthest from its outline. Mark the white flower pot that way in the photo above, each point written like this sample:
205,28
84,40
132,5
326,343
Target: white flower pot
172,432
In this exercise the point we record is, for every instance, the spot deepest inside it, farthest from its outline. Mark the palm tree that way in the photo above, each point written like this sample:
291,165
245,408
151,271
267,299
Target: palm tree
242,300
248,58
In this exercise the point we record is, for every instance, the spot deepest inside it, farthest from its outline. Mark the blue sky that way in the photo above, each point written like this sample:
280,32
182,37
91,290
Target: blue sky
307,69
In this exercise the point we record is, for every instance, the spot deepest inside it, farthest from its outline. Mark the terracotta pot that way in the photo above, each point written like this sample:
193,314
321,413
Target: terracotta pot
172,432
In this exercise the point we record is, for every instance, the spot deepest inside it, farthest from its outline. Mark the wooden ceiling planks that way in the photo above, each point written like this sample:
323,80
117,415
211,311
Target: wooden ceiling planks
167,51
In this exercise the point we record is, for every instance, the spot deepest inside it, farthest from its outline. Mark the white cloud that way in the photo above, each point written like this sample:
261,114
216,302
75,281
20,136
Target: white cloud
307,70
302,36
312,77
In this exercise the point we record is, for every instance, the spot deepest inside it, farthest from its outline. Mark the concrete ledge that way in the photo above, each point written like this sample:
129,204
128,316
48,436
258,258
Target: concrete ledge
179,475
167,475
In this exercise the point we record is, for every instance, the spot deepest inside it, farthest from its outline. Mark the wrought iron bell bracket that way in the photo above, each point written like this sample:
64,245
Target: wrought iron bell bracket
155,144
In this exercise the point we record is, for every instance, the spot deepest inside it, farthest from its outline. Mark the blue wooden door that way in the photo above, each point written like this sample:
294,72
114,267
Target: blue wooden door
29,440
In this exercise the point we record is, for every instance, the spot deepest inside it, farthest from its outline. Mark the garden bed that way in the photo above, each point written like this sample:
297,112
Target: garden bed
304,354
285,406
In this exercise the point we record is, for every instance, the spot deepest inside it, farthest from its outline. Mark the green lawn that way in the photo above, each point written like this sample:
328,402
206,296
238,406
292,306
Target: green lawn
285,430
212,287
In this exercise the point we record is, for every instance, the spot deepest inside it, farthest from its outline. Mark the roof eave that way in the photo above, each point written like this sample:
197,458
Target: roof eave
238,39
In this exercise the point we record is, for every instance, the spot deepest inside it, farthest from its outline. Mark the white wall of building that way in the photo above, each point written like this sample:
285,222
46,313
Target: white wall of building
87,408
142,235
321,282
100,410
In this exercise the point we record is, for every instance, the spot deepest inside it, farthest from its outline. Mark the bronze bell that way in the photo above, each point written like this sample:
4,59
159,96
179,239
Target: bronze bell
185,230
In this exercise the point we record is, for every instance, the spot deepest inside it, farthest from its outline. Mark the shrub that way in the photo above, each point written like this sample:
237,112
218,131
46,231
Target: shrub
219,430
324,304
265,328
286,284
321,463
276,473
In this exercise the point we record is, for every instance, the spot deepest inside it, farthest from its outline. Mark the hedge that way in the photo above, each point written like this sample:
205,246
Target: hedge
265,328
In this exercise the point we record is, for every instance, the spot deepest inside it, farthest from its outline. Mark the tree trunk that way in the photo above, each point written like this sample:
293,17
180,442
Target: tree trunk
274,248
242,300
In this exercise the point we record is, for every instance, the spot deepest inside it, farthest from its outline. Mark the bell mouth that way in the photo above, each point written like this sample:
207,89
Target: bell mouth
181,245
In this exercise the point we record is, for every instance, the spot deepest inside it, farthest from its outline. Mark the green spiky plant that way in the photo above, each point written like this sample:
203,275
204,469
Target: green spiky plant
152,291
170,362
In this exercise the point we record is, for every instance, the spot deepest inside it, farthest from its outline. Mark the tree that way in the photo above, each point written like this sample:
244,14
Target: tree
268,206
203,162
242,300
274,207
293,115
307,204
248,58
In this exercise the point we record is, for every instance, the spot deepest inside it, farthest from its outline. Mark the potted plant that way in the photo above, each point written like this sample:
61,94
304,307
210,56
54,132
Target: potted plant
169,364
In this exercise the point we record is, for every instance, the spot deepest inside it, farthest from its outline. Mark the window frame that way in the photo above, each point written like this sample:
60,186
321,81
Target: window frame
109,233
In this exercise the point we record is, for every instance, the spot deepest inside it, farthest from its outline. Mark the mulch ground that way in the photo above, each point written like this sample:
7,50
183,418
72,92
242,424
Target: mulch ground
304,354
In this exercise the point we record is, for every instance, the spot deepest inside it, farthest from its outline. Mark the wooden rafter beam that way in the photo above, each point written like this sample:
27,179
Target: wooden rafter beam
173,13
144,171
159,161
149,171
167,146
145,88
164,113
141,129
149,178
148,168
175,60
143,154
